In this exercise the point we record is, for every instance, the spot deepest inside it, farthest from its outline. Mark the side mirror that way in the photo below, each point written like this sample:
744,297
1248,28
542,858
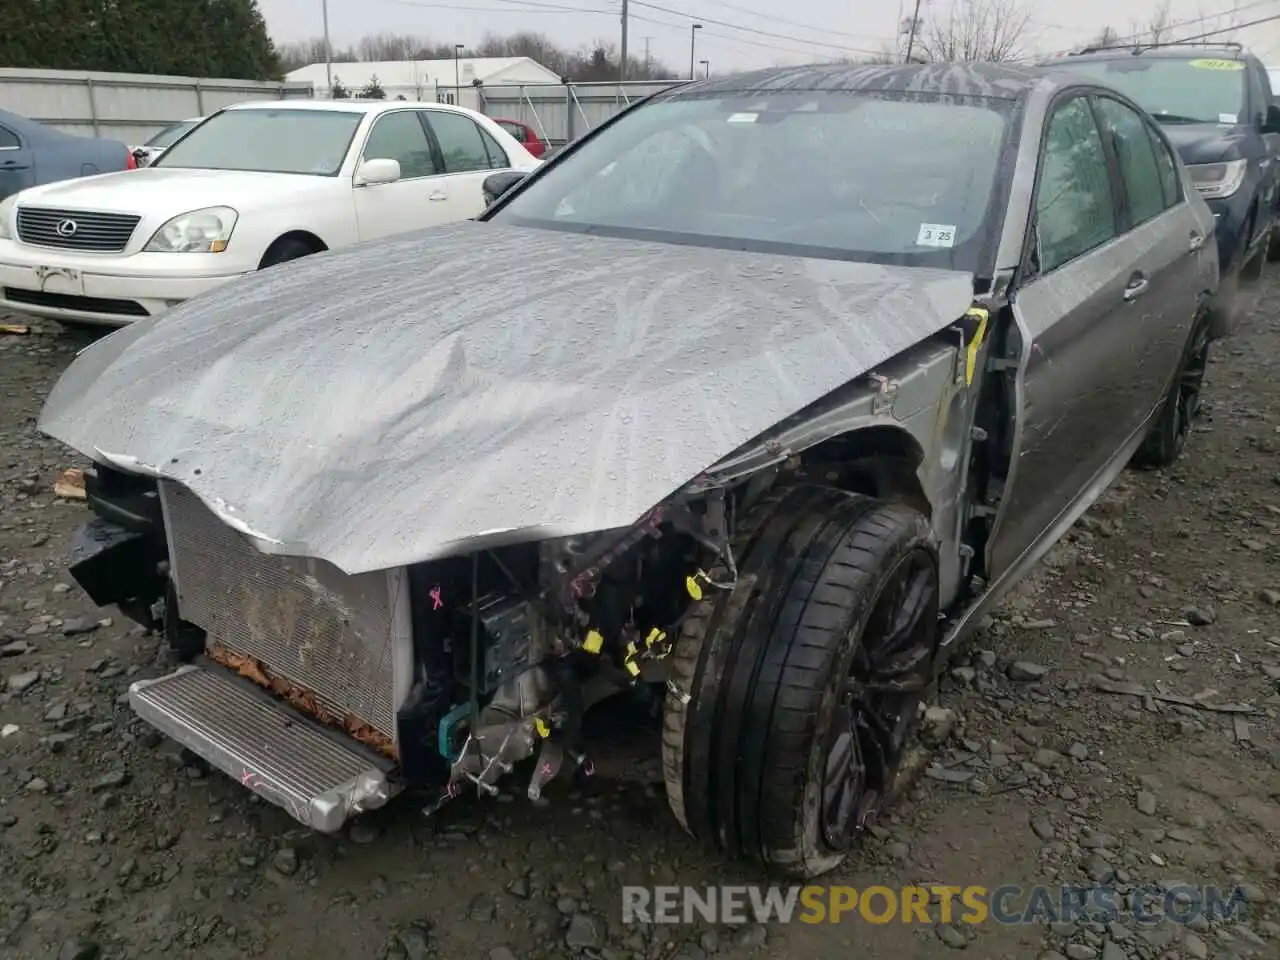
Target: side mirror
1271,122
496,184
379,170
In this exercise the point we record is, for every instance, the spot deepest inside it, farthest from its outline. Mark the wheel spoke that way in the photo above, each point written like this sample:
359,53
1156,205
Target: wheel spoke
889,669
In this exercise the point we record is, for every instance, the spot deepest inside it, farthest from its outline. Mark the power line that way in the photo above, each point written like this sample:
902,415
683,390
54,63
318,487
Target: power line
1232,29
724,40
753,30
792,23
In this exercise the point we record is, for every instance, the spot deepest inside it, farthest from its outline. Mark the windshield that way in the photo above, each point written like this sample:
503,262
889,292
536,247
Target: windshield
269,141
166,136
847,175
1204,90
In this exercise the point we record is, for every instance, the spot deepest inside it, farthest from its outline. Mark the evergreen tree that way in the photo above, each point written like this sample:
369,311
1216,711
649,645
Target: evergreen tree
338,91
373,90
209,38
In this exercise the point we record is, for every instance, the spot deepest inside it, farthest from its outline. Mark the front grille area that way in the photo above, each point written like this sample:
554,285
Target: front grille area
76,229
304,620
70,301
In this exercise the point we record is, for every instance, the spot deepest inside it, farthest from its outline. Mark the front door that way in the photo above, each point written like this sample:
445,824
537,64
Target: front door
17,163
1090,311
420,198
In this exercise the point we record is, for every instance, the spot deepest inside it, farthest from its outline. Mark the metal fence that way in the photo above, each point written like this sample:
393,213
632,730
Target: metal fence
131,107
561,112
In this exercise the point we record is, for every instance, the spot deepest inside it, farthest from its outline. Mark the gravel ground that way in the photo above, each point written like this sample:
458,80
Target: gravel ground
114,844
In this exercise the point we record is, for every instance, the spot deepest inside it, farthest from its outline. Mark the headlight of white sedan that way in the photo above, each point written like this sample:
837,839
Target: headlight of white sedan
200,231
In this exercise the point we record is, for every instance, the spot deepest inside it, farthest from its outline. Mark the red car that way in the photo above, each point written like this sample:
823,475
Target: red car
524,133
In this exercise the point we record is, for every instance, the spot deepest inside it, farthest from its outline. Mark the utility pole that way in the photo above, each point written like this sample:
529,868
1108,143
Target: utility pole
648,61
622,66
328,47
693,39
911,36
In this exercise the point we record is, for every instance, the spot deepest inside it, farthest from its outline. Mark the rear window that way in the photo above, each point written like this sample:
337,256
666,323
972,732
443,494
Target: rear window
1173,90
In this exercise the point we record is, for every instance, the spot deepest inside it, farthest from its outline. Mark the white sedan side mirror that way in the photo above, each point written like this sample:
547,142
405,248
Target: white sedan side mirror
378,170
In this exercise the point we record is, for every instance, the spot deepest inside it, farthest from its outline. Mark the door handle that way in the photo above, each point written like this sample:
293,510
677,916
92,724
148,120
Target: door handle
438,196
1197,241
1136,287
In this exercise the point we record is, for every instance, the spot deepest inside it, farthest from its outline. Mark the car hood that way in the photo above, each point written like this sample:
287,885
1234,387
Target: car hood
475,384
1203,142
168,192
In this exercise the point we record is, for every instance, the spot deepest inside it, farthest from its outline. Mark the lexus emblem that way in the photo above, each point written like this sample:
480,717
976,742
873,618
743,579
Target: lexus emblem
67,228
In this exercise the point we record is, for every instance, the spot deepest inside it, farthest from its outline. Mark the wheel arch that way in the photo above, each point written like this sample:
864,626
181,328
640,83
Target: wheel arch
880,460
302,236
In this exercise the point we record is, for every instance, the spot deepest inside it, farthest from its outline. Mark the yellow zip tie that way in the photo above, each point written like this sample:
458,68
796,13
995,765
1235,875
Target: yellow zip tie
693,587
593,641
541,726
971,351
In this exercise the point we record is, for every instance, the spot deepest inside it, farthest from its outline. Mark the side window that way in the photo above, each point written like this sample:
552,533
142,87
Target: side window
513,129
8,139
1259,92
400,136
1075,210
460,142
498,159
1170,181
1132,144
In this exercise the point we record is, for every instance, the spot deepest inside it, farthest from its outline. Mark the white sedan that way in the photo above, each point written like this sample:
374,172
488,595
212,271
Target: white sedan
252,186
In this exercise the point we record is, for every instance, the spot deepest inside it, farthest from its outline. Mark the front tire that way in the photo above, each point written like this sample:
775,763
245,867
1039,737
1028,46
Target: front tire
284,250
804,680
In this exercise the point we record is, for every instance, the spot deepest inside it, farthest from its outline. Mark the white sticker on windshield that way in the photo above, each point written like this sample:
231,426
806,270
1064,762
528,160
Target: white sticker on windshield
936,235
743,117
1230,118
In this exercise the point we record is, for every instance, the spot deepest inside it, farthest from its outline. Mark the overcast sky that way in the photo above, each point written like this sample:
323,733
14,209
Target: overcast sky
740,33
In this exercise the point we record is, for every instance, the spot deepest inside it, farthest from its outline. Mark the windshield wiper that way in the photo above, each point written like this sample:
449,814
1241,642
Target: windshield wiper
1178,118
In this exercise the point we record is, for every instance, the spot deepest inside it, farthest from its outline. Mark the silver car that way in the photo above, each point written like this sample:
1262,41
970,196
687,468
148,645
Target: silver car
747,406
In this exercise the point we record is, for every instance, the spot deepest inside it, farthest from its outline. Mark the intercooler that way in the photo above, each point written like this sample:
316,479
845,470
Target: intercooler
345,639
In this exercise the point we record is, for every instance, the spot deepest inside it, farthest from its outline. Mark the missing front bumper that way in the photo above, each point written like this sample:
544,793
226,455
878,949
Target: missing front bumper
271,749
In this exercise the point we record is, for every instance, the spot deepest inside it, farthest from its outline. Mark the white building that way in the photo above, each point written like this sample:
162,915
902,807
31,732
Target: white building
431,80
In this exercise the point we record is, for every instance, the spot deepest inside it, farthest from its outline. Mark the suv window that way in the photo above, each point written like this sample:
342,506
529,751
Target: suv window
1259,93
460,142
8,139
400,136
514,129
1128,133
1075,208
1170,181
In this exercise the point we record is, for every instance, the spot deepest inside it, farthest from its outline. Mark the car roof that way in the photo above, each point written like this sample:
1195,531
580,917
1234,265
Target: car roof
1002,81
1168,51
345,106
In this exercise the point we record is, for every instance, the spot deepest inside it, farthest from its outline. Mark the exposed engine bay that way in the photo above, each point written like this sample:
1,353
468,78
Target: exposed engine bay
509,647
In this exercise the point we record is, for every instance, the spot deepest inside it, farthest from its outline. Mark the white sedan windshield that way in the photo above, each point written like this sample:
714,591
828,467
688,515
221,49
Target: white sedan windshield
889,178
269,141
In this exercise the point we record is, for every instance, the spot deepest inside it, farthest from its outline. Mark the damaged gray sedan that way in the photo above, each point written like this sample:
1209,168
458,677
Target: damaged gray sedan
747,405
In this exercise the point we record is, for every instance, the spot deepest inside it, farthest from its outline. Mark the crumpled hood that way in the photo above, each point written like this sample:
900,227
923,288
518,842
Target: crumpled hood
474,384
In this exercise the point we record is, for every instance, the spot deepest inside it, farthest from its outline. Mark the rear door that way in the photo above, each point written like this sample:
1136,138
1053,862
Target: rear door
1082,307
418,198
1168,239
17,163
467,155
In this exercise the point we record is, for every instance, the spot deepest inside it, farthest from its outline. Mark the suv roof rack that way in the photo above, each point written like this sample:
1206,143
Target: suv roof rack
1137,48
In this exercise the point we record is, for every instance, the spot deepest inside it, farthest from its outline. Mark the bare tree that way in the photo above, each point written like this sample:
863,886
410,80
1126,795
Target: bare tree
975,30
1107,37
1159,25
